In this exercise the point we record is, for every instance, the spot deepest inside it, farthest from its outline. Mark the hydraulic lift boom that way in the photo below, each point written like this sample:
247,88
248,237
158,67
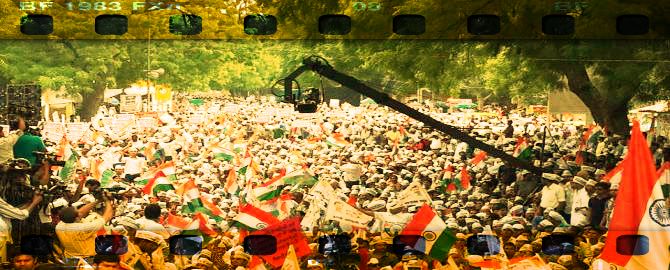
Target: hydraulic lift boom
321,66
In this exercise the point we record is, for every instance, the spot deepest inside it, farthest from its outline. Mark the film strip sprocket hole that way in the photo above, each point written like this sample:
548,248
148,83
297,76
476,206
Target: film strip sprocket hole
384,19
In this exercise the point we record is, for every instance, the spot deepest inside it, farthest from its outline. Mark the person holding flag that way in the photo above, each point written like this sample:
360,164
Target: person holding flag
640,214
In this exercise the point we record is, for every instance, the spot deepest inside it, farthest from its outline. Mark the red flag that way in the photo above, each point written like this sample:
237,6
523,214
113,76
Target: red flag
631,205
288,232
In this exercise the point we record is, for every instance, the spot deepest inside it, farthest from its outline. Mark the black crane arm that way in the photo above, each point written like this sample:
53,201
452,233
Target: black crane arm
321,66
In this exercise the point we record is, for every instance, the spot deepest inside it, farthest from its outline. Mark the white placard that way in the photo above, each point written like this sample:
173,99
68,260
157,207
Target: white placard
53,131
146,123
130,103
334,103
75,131
197,118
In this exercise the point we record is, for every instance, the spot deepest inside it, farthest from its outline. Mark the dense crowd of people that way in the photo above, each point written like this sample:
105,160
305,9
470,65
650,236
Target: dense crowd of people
368,155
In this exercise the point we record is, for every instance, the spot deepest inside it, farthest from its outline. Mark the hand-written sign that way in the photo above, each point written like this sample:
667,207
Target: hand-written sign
147,123
122,124
414,195
53,131
346,214
76,131
321,194
287,232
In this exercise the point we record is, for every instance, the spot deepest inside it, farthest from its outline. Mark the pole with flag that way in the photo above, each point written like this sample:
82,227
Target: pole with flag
640,211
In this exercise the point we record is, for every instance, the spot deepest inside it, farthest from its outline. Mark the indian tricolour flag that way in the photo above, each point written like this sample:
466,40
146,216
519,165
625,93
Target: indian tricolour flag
437,239
614,176
299,177
522,149
194,202
231,186
160,182
190,195
337,140
640,213
198,225
67,172
664,178
222,152
253,218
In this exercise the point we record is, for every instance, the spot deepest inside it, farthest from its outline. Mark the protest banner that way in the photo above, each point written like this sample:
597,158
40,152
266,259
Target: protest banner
53,131
287,232
346,214
146,123
321,194
413,195
76,131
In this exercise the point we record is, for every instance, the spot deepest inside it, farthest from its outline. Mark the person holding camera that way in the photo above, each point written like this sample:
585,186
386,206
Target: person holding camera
9,212
7,142
76,235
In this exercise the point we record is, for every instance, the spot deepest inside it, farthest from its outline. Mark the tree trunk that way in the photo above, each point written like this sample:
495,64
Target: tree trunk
607,112
91,102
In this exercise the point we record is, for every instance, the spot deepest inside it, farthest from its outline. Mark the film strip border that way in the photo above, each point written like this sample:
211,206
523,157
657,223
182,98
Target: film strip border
335,19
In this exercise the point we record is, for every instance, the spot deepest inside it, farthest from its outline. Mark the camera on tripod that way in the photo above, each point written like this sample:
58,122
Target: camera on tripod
48,157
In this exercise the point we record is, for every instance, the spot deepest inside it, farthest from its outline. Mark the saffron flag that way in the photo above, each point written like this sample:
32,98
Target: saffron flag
640,209
194,202
252,218
481,155
291,262
437,239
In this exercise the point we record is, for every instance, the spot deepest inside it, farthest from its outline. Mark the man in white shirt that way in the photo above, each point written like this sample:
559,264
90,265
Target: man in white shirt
149,222
579,209
134,165
553,195
7,142
9,212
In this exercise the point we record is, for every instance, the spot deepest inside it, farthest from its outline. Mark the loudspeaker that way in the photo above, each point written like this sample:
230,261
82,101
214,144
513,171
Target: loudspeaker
21,100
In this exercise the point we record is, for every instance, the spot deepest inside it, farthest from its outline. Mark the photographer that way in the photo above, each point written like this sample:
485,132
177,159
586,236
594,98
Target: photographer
7,143
76,235
8,212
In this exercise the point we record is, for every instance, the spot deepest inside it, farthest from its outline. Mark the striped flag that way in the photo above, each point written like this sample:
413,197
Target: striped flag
522,149
640,210
436,241
337,140
190,195
614,176
67,172
195,203
160,182
222,152
176,223
253,218
464,178
664,178
106,178
273,188
231,186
